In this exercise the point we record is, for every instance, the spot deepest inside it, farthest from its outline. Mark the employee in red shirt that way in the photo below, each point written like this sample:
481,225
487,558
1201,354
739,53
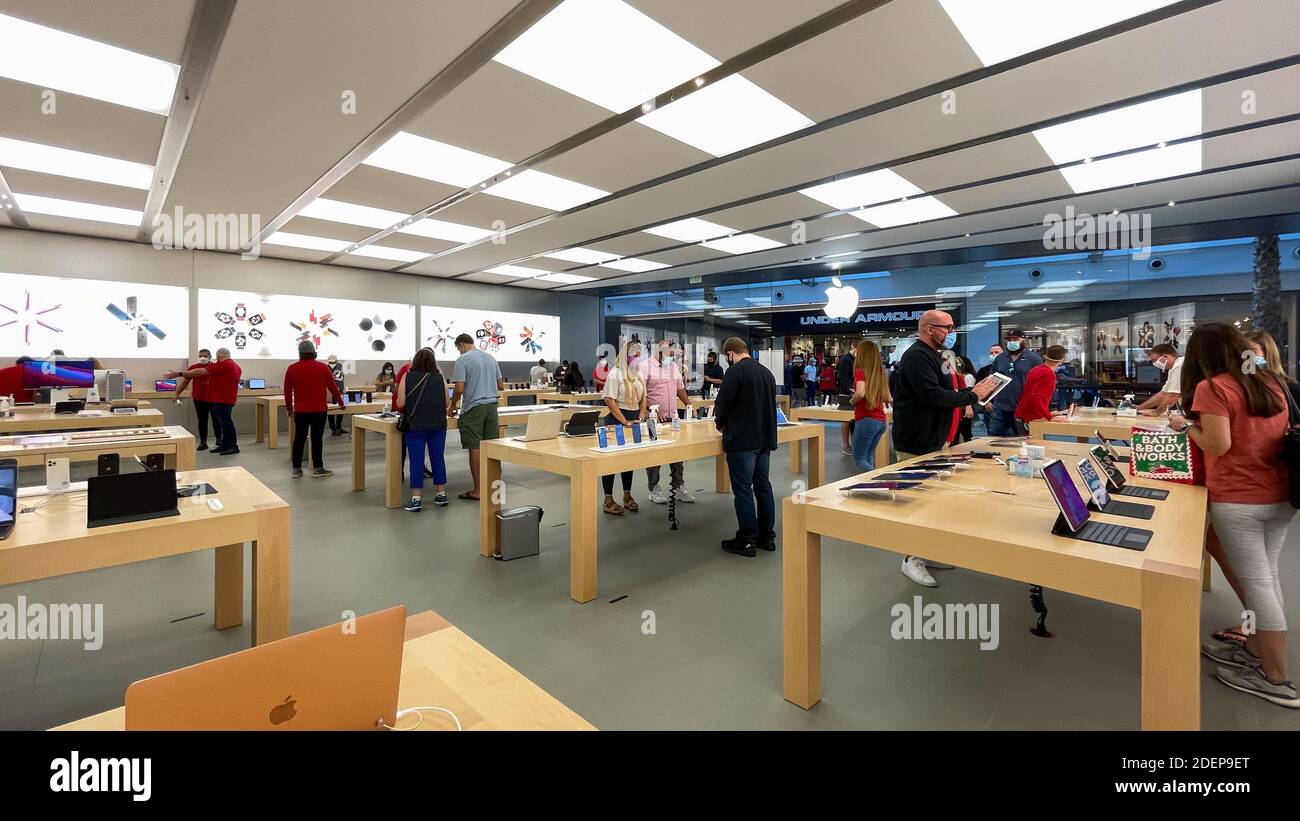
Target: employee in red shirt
223,391
202,407
1040,384
11,381
306,384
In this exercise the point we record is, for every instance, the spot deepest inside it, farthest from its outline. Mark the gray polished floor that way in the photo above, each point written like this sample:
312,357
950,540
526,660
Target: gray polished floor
713,660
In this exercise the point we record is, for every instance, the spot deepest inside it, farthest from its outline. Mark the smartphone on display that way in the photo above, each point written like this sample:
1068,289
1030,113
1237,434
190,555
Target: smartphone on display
636,433
913,476
619,436
881,486
985,454
602,437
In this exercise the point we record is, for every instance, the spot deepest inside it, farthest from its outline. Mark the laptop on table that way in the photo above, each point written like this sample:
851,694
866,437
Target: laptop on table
541,425
1074,521
324,679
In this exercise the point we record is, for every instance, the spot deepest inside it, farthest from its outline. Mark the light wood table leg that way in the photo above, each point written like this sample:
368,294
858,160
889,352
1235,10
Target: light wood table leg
1171,667
1205,573
358,458
273,426
393,468
882,449
582,532
489,491
817,460
228,599
801,607
259,421
721,474
796,457
271,575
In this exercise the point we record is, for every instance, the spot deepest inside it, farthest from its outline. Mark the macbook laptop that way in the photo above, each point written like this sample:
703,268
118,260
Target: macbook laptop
130,497
781,420
541,425
324,679
1075,522
582,423
256,384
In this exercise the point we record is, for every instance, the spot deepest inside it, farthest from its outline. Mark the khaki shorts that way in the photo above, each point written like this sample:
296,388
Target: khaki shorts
476,424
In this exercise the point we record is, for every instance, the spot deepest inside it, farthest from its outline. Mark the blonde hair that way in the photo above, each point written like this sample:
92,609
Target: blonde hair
1272,356
631,376
866,358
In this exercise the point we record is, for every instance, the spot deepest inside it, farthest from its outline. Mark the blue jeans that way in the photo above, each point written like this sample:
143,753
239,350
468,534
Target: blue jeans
417,441
866,435
1002,422
225,426
749,484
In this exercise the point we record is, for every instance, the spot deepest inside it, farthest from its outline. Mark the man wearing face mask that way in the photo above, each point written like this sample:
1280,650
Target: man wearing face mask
930,399
223,392
1165,357
1016,362
202,407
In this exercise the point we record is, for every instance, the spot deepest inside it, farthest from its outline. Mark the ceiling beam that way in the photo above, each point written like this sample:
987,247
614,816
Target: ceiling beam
207,30
10,205
502,33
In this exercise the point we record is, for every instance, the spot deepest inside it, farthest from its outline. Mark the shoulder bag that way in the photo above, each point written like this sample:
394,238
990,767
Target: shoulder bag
403,423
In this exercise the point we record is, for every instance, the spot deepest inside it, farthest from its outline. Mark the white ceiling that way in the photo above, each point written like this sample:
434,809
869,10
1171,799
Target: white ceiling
270,125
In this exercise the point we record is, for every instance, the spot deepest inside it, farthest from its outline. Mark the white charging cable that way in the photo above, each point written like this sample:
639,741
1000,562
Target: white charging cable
420,718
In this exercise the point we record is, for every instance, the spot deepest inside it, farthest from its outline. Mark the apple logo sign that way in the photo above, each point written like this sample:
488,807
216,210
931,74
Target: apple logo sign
841,301
283,712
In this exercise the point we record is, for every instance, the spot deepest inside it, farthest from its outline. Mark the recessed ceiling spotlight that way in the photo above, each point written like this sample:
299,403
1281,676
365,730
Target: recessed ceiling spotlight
647,106
699,81
1116,211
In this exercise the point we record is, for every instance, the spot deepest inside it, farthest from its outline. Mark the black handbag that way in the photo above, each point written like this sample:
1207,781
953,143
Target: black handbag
1291,444
404,424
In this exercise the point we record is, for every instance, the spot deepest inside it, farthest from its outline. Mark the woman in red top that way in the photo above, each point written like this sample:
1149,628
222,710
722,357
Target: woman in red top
1239,416
202,406
870,395
1040,384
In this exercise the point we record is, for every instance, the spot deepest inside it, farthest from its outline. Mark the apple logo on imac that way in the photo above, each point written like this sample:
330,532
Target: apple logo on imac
841,300
284,712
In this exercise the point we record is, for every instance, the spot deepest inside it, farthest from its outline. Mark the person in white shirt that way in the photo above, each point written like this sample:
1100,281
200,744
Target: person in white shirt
664,387
625,398
537,375
1165,357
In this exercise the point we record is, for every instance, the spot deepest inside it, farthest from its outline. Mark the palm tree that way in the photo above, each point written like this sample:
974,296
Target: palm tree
1266,302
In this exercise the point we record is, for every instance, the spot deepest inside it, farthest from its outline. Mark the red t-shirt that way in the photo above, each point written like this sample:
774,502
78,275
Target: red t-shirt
860,409
402,371
307,384
1252,472
199,389
11,382
1040,384
223,382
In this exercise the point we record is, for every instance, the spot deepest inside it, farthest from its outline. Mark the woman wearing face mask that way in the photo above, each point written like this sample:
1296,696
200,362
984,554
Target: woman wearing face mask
386,379
336,420
1268,357
1238,416
625,397
202,407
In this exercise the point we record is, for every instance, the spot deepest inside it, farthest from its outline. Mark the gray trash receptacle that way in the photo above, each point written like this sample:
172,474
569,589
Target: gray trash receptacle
518,532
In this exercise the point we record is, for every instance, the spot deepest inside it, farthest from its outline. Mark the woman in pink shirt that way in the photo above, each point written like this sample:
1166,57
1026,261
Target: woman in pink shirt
1238,416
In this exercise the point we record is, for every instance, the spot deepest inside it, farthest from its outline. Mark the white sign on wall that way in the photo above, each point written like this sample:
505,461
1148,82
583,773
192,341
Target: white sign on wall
92,318
509,337
270,326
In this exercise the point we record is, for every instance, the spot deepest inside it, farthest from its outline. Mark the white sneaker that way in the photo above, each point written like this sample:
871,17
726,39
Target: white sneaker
846,451
658,496
684,495
915,569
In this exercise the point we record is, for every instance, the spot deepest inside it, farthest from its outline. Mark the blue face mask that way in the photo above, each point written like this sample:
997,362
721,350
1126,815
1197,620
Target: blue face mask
950,340
1260,361
1013,346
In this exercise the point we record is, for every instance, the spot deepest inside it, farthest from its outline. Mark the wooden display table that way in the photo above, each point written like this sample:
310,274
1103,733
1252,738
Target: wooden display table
504,396
244,393
1011,536
177,447
834,414
53,540
45,420
568,398
387,427
575,459
267,421
1085,423
443,666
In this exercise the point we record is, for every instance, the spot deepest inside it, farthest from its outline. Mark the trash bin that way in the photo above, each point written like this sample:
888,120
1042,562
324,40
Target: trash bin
518,532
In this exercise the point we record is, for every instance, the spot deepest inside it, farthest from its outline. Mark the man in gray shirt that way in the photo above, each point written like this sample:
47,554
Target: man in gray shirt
477,377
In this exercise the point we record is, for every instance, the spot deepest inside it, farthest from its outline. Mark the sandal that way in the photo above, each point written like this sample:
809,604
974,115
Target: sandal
468,496
612,507
630,504
1229,635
